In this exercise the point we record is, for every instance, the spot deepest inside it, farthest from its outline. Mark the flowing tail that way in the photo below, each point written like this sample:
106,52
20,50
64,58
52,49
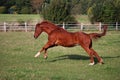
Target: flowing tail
98,35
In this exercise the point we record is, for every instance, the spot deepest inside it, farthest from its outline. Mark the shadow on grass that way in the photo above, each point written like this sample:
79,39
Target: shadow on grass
71,57
78,57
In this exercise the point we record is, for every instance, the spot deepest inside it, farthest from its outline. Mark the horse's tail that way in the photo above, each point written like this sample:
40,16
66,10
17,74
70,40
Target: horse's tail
98,35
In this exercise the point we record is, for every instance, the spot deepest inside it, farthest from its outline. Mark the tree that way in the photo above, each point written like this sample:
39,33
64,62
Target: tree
116,10
2,9
13,9
106,11
58,11
37,5
95,13
6,4
23,5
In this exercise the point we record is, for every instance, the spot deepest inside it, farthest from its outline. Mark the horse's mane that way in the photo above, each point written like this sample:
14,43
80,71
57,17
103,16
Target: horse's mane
47,22
50,24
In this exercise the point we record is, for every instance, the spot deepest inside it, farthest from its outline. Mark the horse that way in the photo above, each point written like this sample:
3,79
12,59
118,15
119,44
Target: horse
58,36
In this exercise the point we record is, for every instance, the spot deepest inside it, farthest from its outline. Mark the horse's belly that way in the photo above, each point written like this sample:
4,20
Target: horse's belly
70,45
67,40
65,43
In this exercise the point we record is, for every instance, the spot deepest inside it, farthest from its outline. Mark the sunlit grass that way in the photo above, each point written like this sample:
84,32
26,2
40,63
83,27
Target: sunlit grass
35,17
20,17
82,18
17,62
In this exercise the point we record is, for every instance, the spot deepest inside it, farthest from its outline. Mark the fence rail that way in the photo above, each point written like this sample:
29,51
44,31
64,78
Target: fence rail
24,26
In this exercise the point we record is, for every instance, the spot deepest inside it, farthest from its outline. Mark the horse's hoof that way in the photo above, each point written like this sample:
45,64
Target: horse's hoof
45,57
101,63
91,63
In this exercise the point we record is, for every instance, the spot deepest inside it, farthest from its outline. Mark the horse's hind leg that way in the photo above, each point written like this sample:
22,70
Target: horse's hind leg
97,56
90,53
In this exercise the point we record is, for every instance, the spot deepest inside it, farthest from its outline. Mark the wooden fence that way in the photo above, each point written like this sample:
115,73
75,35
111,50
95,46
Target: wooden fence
26,27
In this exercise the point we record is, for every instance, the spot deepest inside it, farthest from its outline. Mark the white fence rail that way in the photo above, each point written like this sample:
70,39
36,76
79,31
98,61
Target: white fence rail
24,26
15,26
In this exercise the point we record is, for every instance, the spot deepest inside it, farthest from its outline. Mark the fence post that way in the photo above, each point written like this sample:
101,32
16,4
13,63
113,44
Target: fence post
4,26
25,26
81,28
100,25
116,26
63,25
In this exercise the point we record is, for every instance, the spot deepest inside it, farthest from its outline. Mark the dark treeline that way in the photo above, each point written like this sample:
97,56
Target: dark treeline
97,10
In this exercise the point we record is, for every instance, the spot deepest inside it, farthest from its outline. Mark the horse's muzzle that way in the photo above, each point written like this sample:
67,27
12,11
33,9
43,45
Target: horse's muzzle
35,37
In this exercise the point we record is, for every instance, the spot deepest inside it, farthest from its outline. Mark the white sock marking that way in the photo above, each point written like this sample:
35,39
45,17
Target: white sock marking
37,54
92,63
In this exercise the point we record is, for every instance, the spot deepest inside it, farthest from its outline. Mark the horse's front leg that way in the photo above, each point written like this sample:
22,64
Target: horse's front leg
38,53
48,45
45,53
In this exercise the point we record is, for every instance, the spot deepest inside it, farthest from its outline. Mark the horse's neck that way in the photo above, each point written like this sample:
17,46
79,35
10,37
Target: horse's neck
48,29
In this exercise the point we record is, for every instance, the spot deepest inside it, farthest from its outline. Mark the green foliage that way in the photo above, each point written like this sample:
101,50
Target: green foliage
105,11
13,9
2,9
16,6
58,11
95,13
23,6
25,10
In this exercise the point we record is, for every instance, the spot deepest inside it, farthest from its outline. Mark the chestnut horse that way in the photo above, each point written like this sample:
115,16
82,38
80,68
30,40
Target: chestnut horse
58,36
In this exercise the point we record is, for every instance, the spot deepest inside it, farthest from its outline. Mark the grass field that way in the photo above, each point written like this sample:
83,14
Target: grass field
19,17
82,18
17,62
34,17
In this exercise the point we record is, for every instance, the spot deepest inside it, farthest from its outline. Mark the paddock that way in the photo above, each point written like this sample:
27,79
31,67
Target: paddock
17,62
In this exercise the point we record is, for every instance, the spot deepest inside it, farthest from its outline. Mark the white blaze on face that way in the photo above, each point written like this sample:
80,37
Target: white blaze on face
37,54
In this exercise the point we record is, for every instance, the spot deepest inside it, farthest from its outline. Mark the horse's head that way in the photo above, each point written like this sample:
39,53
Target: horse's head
45,26
38,30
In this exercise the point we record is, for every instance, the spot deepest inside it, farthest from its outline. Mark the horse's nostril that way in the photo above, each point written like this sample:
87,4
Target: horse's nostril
34,37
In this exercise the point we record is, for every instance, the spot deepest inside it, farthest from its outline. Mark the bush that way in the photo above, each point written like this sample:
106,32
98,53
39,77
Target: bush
58,11
13,10
2,9
105,11
25,10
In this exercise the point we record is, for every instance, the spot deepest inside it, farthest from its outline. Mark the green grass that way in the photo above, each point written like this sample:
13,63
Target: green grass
82,18
19,17
17,62
35,17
